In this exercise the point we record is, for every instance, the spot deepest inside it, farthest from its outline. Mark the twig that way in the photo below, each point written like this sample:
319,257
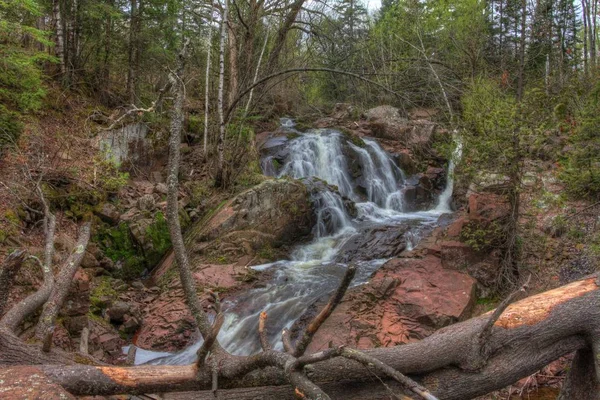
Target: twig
374,363
209,340
315,324
215,379
262,332
317,357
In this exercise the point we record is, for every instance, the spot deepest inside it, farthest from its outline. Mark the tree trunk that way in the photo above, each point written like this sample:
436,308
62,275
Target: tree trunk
60,39
584,12
280,37
10,268
527,336
207,81
219,178
183,264
134,32
233,61
45,327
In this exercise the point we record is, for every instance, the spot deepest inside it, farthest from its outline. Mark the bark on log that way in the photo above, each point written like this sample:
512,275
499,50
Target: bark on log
530,334
10,268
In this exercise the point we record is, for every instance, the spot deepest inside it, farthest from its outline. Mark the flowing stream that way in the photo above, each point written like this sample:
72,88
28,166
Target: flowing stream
362,174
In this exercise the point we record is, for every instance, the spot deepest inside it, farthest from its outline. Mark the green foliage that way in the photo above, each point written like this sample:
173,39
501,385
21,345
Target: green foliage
119,245
581,172
99,295
21,84
490,121
10,127
482,237
158,232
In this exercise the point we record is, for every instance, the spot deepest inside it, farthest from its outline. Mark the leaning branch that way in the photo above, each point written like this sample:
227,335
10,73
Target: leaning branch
316,323
13,317
183,263
296,70
45,327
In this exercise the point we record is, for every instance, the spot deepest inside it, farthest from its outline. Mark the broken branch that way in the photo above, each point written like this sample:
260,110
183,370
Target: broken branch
315,324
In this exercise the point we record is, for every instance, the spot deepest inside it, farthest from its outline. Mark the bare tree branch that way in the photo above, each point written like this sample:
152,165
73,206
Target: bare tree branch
315,324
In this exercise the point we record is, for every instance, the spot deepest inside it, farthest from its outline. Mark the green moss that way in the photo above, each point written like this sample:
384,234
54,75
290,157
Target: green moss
104,289
158,233
353,138
266,252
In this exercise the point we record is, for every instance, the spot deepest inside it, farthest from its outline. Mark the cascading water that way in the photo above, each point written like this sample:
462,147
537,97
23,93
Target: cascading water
364,174
445,199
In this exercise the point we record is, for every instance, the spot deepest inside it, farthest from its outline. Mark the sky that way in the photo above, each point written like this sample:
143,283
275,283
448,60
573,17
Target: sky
372,5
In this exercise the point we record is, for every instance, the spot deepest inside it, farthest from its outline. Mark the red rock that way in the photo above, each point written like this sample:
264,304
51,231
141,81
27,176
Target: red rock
458,255
455,228
487,206
406,300
167,325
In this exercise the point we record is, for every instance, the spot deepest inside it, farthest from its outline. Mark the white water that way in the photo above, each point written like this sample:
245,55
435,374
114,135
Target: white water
445,200
311,271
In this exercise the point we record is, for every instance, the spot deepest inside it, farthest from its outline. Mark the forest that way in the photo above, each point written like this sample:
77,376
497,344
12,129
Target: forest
300,199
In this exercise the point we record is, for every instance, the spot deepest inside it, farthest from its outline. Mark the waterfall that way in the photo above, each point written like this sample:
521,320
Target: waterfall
321,156
445,199
325,155
341,176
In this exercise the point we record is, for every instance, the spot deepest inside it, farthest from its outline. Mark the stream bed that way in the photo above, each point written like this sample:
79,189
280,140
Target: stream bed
360,220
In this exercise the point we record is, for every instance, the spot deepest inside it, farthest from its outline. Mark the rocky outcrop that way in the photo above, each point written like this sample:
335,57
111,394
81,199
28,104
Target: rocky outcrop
252,228
375,243
386,122
406,300
273,213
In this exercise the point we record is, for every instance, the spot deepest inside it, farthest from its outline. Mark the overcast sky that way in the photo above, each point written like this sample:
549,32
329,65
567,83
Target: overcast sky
372,5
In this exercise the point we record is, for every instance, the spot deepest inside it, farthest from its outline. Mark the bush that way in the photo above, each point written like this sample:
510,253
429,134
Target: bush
581,166
10,128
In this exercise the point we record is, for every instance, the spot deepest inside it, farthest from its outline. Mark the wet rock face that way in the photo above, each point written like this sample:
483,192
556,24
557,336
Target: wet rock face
375,243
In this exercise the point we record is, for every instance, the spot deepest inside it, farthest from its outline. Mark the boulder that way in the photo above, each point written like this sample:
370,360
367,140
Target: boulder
109,214
406,300
146,203
387,122
375,243
487,206
276,212
117,311
457,255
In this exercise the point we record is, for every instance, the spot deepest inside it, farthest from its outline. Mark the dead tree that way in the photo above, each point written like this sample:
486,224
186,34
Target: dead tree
45,327
519,341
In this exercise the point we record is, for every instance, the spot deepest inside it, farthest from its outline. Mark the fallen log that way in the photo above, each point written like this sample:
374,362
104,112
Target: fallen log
528,335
